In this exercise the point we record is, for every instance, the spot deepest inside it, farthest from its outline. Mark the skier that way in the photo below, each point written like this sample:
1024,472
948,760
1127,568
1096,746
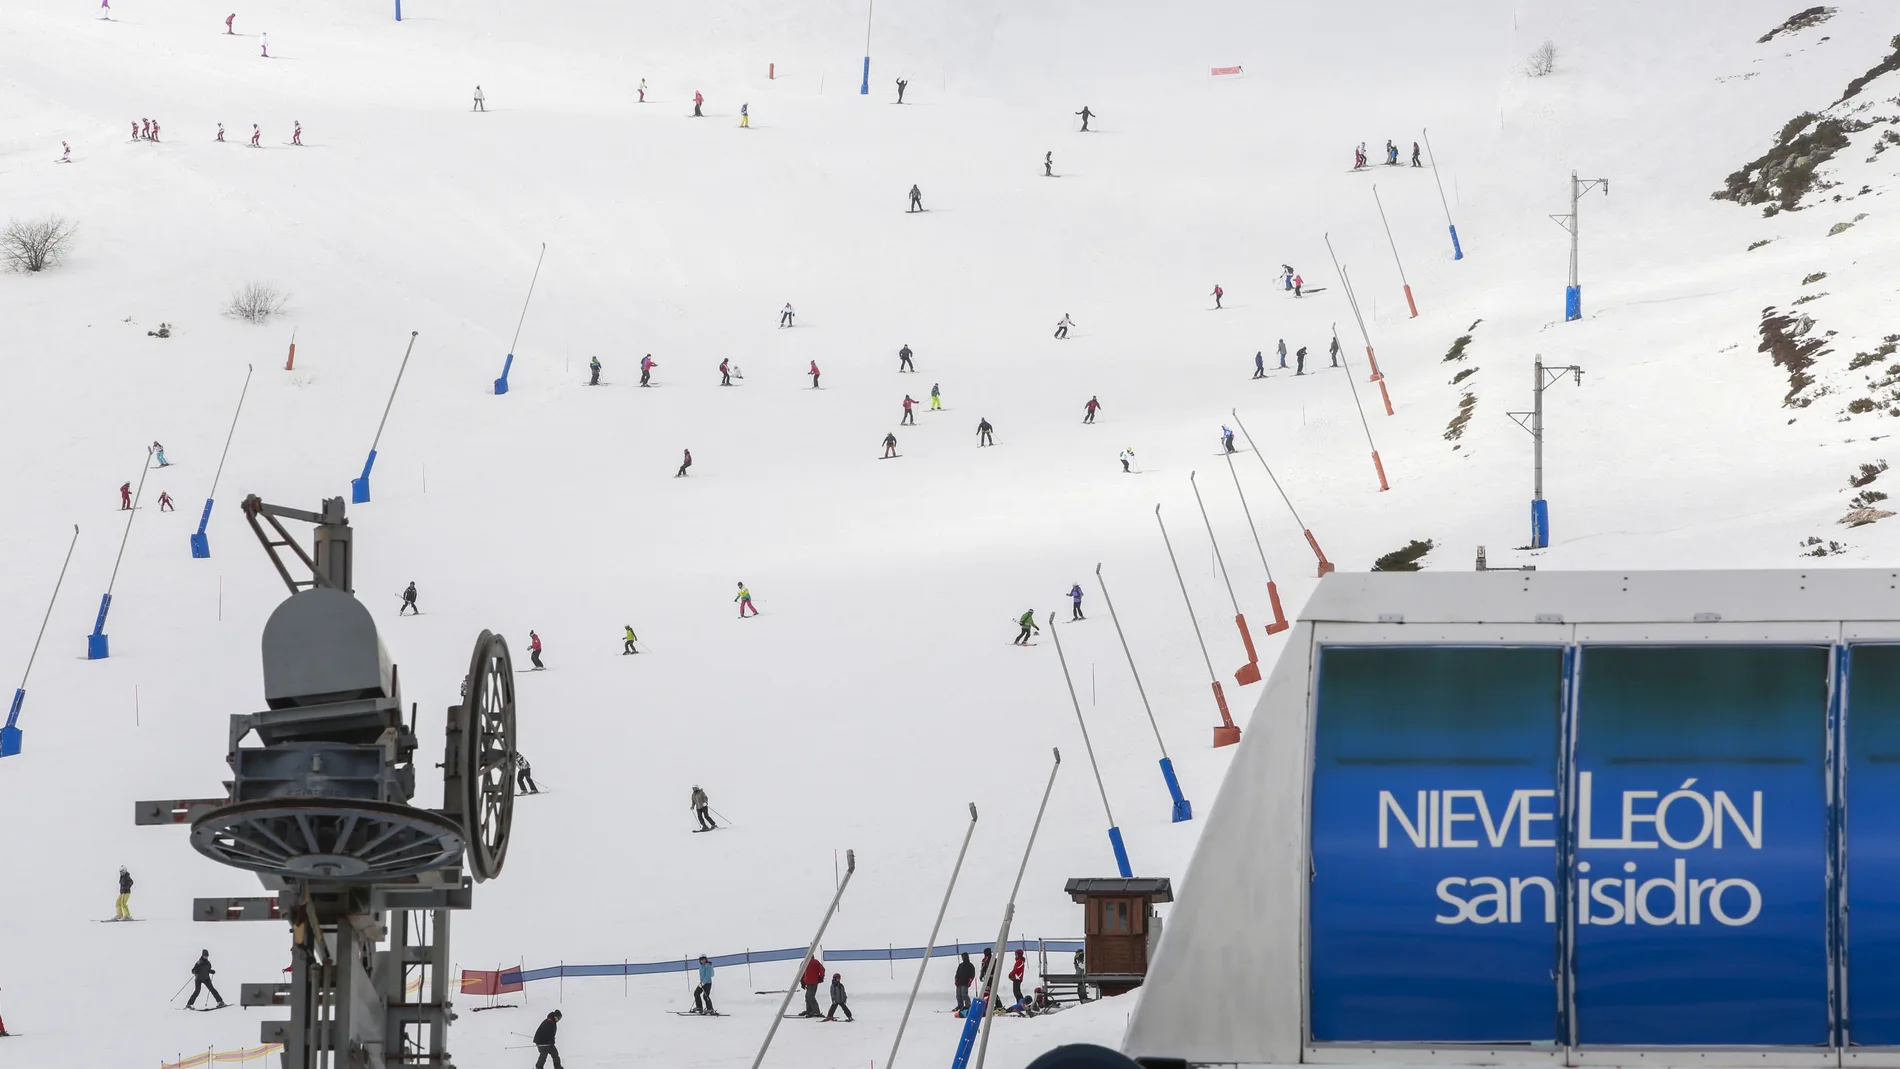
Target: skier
228,20
903,359
1259,365
646,369
66,152
697,101
201,975
534,651
122,910
702,995
263,43
984,974
910,417
221,133
1333,349
1286,276
1075,597
1016,976
643,90
1063,325
745,116
255,134
814,975
837,999
785,315
544,1041
481,102
296,131
154,129
1049,164
901,86
165,502
593,368
890,447
725,373
1028,623
1283,354
685,463
744,598
125,497
966,973
524,774
105,6
936,398
135,130
1127,457
1415,162
1218,293
1086,116
814,374
1089,410
983,430
1299,361
916,200
1227,438
1359,157
627,643
409,600
699,805
1298,284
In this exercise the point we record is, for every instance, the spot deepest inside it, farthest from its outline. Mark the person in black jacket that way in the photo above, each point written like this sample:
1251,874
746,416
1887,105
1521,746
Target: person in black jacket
966,974
124,910
201,974
544,1041
837,999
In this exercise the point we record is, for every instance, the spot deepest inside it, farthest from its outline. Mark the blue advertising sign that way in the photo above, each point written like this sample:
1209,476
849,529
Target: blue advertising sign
1873,851
1701,835
1434,829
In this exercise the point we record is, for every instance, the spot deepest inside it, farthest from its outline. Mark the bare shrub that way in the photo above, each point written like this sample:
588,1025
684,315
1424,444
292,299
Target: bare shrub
256,302
36,244
1543,61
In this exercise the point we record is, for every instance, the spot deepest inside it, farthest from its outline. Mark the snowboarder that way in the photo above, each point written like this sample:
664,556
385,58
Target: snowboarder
544,1041
1075,597
966,974
837,999
1282,354
263,44
1333,350
916,200
745,116
1298,284
744,598
647,365
910,417
1218,294
66,152
125,497
785,315
409,600
697,101
165,502
814,975
228,20
122,910
890,447
1127,457
983,430
481,102
593,368
1016,976
814,374
296,131
1086,116
255,134
1259,365
643,90
524,774
627,643
1089,410
902,85
221,133
201,976
903,359
685,462
1299,361
1415,162
702,995
534,651
936,398
1063,325
1027,621
1227,438
725,373
699,805
1049,164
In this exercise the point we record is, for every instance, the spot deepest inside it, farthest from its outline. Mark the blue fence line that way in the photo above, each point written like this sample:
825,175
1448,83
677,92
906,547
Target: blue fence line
754,957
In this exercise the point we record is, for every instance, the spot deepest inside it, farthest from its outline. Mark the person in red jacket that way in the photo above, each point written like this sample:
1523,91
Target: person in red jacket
814,374
684,464
814,975
1218,294
125,496
1016,976
909,416
647,364
1089,410
165,502
725,372
228,20
697,101
534,650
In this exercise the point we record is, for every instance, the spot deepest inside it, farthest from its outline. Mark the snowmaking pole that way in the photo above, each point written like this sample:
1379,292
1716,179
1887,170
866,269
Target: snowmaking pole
932,941
1249,672
1377,464
1114,830
1182,809
98,647
1279,623
200,543
993,982
1409,303
850,869
1352,300
1226,734
1457,250
1542,377
865,88
10,735
501,384
359,486
1573,290
1325,565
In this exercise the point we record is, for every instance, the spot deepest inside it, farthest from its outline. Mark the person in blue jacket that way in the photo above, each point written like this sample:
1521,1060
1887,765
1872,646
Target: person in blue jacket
704,990
1075,595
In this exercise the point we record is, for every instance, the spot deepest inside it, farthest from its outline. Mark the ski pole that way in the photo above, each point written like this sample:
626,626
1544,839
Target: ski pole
180,991
721,816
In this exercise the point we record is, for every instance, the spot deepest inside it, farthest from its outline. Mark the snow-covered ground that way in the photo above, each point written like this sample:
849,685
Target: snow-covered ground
877,692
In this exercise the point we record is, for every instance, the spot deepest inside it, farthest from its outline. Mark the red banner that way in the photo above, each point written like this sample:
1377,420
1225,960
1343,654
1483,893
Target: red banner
490,981
1217,71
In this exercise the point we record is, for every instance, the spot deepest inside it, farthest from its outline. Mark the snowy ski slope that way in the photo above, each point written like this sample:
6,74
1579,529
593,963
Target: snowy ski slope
876,693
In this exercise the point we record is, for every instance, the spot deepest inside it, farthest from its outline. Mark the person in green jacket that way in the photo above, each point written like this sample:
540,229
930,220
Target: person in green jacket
627,644
593,365
1028,623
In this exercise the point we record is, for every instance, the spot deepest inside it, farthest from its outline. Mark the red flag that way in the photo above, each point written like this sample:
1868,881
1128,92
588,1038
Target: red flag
1217,71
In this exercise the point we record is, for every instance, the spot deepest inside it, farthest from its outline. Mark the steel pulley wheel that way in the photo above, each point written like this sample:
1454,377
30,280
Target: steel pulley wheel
488,755
340,839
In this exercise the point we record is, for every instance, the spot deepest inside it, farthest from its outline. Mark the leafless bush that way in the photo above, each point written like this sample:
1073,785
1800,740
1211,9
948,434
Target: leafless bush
256,302
1543,61
36,244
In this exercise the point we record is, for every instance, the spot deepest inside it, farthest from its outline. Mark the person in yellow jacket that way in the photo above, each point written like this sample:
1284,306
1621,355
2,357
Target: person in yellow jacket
744,598
627,644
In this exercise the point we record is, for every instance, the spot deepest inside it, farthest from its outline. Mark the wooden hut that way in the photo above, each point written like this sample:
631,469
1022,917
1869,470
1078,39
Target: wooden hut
1120,928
